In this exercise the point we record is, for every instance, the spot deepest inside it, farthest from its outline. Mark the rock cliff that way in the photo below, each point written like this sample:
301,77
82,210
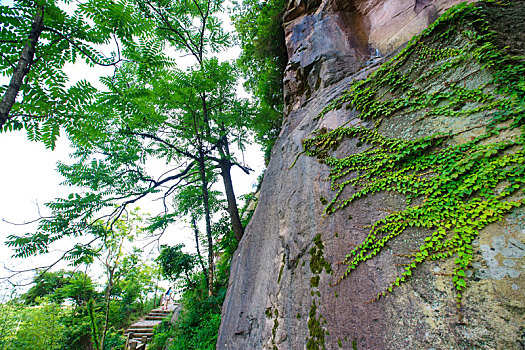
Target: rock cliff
434,277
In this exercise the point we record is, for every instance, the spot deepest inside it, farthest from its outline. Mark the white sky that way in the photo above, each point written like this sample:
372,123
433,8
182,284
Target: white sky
28,179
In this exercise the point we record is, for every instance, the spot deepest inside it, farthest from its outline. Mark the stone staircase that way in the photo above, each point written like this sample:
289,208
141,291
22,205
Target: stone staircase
141,332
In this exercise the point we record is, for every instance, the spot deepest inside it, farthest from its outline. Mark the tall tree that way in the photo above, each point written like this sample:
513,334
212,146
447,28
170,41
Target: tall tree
260,32
37,39
186,117
175,264
205,101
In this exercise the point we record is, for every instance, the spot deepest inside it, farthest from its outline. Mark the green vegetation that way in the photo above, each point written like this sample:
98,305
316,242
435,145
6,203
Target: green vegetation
263,60
151,109
274,330
39,327
281,269
317,264
74,313
316,340
37,39
198,323
189,119
453,189
317,260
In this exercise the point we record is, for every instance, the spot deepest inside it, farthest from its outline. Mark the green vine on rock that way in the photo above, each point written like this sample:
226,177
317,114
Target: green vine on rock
453,190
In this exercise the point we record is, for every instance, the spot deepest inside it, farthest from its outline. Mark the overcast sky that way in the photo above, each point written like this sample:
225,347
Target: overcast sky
28,179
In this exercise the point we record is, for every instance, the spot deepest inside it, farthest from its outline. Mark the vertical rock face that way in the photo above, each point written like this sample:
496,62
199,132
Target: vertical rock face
283,290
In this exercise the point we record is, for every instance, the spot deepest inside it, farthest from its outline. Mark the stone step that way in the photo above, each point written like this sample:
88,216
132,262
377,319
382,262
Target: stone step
168,311
139,330
145,324
155,318
158,315
140,339
161,310
141,333
145,327
137,344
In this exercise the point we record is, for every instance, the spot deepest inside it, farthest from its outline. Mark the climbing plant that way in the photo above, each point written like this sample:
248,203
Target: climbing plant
453,190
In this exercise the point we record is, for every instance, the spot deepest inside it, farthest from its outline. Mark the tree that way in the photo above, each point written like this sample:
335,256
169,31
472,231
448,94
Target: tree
38,37
9,316
94,313
208,116
260,32
175,264
80,289
208,112
45,284
136,280
39,328
187,118
111,254
59,286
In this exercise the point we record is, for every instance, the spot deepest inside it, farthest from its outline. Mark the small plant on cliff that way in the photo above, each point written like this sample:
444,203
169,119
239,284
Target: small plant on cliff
453,190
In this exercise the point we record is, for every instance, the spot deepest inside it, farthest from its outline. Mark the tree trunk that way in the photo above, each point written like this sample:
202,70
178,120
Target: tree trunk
155,296
23,66
111,274
226,165
207,216
238,230
199,255
106,318
90,308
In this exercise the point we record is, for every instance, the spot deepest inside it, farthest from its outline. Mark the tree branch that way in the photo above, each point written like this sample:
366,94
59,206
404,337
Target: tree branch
23,67
184,40
72,42
45,268
158,139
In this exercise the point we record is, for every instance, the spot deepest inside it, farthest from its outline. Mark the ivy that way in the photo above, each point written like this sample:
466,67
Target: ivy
452,190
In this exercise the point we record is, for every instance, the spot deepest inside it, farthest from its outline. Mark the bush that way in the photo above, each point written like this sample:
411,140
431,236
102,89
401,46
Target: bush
161,335
198,325
34,327
114,341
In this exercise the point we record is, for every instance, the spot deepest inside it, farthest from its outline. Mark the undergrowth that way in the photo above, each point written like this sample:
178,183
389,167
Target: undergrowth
197,325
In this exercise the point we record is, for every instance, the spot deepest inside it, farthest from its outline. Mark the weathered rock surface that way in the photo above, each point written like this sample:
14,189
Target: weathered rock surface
275,300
